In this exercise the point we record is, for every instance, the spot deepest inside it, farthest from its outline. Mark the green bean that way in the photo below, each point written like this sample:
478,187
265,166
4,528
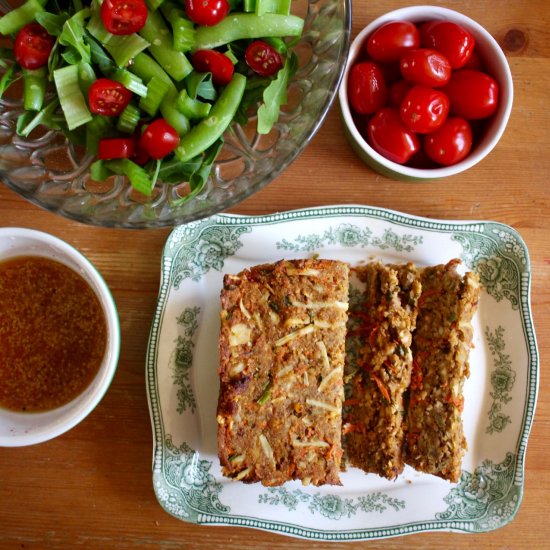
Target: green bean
145,67
209,129
247,25
157,33
34,88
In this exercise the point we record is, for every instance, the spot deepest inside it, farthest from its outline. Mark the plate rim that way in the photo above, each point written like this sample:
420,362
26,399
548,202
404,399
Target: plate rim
336,211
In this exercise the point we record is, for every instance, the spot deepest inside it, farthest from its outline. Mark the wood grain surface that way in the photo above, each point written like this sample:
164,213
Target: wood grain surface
91,488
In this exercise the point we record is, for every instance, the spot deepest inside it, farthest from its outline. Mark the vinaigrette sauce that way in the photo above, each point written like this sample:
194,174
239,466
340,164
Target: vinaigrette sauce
53,334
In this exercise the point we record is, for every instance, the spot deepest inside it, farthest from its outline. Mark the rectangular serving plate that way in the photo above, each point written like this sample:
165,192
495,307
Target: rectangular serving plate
182,384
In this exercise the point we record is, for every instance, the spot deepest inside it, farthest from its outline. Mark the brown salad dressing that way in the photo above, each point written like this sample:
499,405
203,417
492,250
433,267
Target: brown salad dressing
53,334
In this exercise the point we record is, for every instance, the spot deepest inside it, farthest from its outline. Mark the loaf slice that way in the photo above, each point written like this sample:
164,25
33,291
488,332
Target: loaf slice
435,441
282,343
384,319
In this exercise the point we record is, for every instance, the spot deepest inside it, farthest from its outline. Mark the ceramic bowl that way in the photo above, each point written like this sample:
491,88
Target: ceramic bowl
18,428
495,63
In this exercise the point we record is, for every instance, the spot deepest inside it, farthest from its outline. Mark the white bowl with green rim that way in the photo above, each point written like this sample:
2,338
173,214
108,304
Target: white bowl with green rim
28,428
495,63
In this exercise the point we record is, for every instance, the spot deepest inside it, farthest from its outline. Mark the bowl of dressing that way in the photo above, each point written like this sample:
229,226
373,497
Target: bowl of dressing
59,337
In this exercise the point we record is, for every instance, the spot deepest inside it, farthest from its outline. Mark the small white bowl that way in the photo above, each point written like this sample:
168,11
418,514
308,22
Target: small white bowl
493,59
18,429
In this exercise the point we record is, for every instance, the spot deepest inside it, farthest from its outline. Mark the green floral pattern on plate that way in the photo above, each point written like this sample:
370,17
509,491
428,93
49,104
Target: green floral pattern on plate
183,359
331,506
186,476
502,380
348,235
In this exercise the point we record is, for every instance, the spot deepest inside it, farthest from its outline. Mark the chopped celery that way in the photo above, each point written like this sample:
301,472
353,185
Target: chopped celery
128,119
70,96
137,176
249,6
156,90
130,81
16,19
98,171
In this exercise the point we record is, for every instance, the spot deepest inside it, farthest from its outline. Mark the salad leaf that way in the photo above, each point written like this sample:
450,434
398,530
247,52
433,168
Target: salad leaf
8,78
200,84
100,57
74,37
275,95
53,23
29,120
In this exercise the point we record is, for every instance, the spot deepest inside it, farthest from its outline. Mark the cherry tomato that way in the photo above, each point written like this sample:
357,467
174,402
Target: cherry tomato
474,62
425,67
123,16
452,40
32,46
206,12
159,139
388,42
115,148
473,94
397,92
424,109
217,63
451,143
263,58
107,97
366,88
388,135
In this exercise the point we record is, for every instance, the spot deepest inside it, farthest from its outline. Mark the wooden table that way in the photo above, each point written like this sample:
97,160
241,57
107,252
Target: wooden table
92,487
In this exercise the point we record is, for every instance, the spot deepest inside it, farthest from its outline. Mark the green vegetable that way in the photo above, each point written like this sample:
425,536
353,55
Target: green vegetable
266,394
209,129
275,95
137,176
247,25
156,92
282,7
30,120
98,171
34,88
16,19
200,85
53,23
8,78
175,63
130,81
192,108
98,128
122,48
86,77
73,36
128,119
70,96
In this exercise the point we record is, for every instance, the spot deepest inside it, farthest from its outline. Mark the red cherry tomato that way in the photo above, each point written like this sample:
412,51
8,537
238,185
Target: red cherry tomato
32,46
397,92
473,94
115,148
107,97
159,139
123,16
424,109
388,135
474,62
452,40
263,58
206,12
367,90
388,42
451,143
425,67
217,63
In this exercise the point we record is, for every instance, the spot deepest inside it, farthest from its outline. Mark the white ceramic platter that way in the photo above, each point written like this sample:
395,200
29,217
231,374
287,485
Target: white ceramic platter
182,383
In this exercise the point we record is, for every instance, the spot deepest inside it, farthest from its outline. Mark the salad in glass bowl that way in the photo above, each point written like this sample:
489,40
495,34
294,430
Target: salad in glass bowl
137,114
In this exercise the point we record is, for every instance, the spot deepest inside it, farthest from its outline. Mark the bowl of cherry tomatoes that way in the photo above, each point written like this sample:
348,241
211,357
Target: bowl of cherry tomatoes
426,93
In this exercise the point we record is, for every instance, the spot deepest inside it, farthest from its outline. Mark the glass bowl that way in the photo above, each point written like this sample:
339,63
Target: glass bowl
50,172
